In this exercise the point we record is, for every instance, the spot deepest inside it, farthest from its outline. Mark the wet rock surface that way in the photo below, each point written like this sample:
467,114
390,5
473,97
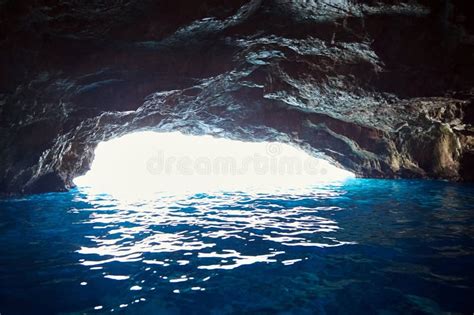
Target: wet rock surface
382,88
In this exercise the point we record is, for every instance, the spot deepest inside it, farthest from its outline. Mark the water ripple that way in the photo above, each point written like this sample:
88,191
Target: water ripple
208,232
350,248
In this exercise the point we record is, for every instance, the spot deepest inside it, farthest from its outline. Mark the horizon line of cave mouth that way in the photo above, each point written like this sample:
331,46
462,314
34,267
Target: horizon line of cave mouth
152,161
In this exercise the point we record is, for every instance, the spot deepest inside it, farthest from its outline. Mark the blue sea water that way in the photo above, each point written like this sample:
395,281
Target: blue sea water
354,247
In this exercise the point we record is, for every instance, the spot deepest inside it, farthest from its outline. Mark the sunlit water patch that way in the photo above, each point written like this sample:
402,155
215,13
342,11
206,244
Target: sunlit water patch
359,246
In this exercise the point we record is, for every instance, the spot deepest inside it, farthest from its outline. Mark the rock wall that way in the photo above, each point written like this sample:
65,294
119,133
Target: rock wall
382,88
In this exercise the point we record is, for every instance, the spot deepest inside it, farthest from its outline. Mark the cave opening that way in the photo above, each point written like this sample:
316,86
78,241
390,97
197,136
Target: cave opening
149,162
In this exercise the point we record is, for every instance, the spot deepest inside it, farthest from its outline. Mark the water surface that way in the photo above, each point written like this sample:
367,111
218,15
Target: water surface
355,247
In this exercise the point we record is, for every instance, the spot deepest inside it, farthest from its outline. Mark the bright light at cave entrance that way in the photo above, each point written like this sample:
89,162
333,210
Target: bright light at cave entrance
147,162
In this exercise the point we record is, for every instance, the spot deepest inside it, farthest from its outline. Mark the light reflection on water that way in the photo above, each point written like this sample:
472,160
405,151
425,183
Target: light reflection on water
361,246
195,227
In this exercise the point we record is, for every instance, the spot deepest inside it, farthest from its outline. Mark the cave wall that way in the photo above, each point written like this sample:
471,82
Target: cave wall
382,88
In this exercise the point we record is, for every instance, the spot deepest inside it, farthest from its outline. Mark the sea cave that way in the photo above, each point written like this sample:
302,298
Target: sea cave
236,157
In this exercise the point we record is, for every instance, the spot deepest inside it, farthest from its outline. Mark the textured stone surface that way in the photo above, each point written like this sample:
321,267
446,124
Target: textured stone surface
382,88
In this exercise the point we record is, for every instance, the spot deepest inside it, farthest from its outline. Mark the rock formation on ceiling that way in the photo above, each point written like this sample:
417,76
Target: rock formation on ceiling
383,88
